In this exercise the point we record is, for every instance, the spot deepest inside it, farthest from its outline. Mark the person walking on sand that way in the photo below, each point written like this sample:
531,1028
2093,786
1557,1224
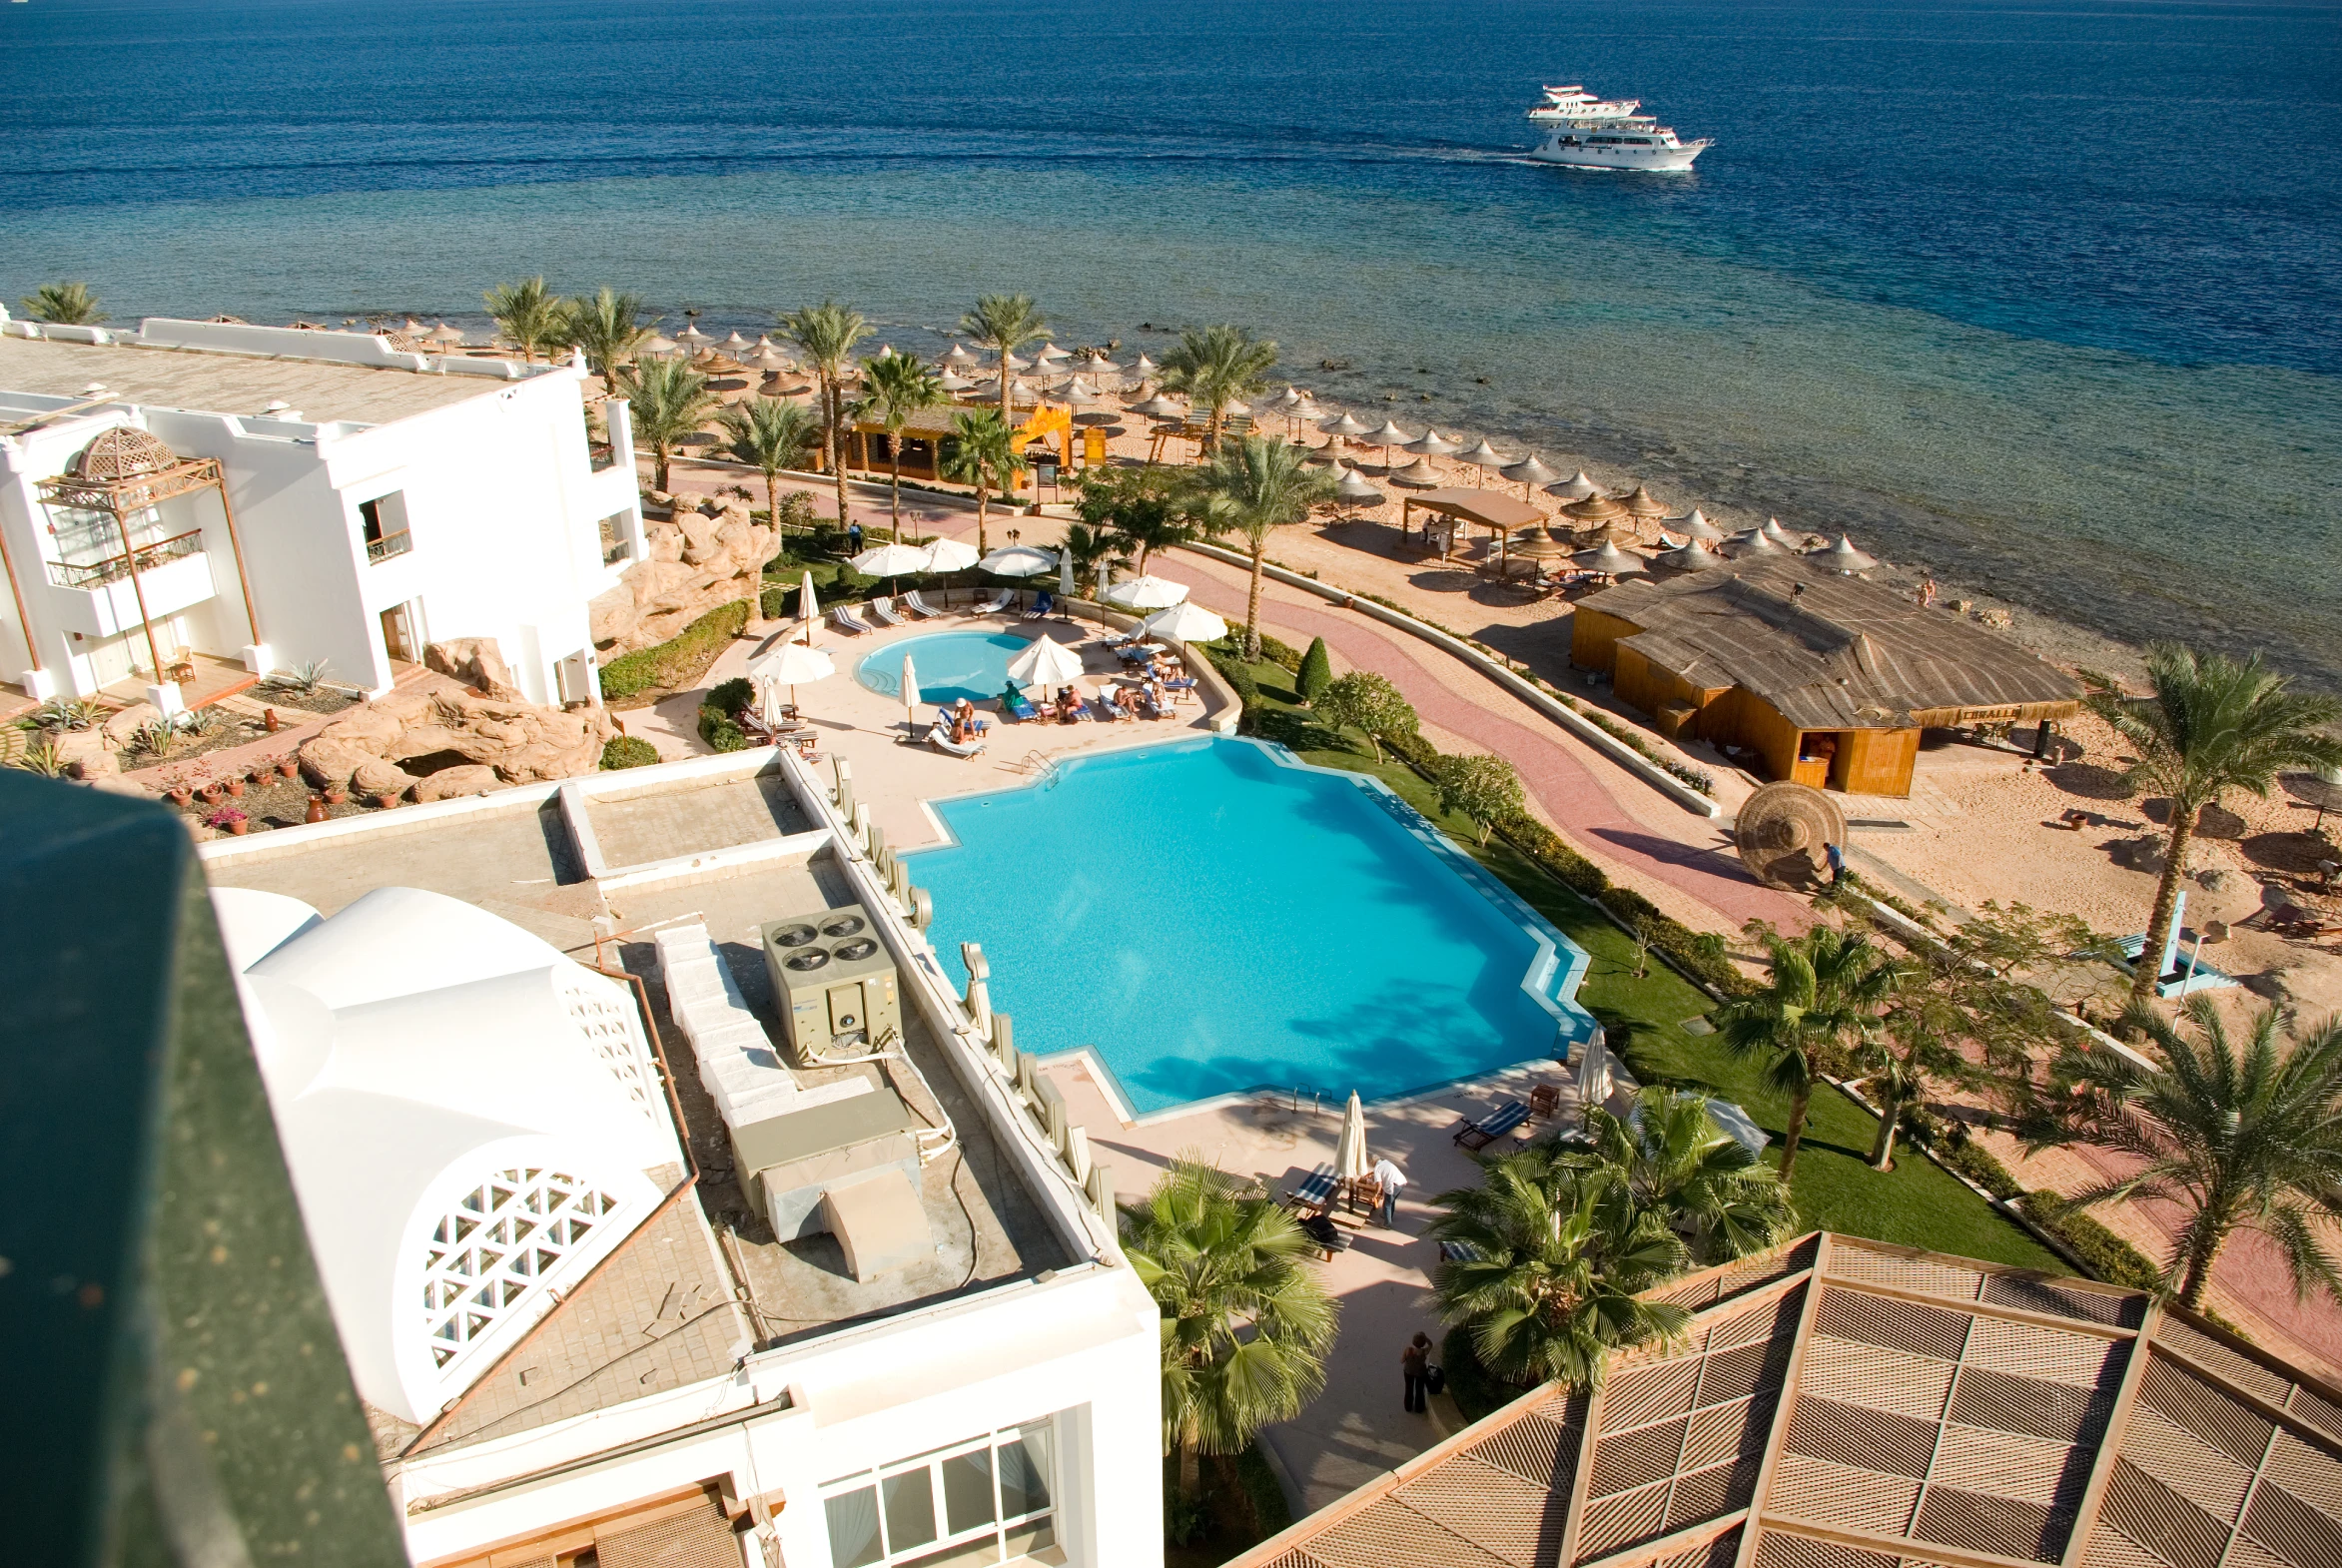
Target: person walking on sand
1390,1179
1414,1364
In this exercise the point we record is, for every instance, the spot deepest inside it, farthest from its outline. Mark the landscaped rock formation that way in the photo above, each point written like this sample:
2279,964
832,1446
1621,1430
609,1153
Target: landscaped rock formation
502,738
707,554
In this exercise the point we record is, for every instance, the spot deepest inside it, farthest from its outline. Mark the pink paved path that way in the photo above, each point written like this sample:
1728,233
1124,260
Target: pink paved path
1577,801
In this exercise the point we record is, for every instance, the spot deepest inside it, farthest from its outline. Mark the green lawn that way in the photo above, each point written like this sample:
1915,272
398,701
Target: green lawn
1917,1205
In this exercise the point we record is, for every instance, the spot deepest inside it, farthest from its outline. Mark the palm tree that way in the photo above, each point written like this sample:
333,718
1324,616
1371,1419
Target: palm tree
828,332
66,304
894,388
2213,724
608,327
1148,510
529,314
1215,368
1245,1320
773,435
1004,323
1252,488
982,452
2243,1138
671,400
1827,988
1676,1160
1556,1254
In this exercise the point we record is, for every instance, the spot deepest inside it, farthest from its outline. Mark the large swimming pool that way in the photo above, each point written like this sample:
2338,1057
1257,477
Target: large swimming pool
950,665
1212,916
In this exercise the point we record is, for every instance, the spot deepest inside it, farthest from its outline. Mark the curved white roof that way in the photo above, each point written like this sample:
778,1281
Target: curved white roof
468,1115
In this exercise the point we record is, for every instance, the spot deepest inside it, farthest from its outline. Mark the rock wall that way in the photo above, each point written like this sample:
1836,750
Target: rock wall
707,554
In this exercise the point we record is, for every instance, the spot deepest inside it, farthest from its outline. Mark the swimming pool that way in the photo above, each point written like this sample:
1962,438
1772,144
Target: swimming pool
950,665
1212,916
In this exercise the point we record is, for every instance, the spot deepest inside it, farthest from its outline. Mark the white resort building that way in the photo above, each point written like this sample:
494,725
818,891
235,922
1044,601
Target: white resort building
215,500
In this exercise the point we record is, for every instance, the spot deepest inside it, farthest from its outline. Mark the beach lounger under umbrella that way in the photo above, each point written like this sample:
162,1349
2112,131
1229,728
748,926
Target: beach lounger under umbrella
1185,622
1574,489
1045,662
1146,593
787,664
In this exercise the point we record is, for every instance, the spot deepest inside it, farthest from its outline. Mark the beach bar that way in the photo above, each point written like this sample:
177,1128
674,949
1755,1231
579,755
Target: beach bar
1828,680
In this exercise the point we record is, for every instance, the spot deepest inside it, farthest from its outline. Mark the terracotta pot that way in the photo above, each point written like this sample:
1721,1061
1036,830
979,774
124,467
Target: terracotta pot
386,801
240,828
181,796
337,797
236,786
316,809
209,794
269,719
288,769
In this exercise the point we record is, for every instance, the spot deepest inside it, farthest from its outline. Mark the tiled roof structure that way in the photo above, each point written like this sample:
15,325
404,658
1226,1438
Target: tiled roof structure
1842,1403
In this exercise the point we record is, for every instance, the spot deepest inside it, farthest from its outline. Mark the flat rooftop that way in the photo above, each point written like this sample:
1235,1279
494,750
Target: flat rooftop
204,381
658,1315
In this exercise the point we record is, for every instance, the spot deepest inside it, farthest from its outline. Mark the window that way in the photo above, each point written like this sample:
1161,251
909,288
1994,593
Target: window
986,1500
384,521
498,1246
615,545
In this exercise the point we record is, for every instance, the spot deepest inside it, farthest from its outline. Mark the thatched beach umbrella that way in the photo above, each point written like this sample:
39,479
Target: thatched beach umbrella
1699,529
1574,488
953,381
1013,364
1418,475
959,354
452,336
1844,557
1144,368
1433,444
1051,353
1776,533
1690,556
1483,457
1529,472
692,337
1387,437
1642,505
1345,426
735,346
1595,510
1353,492
655,345
1608,558
1751,541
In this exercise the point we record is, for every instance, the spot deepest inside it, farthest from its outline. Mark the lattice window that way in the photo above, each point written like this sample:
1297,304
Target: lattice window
497,1247
611,1033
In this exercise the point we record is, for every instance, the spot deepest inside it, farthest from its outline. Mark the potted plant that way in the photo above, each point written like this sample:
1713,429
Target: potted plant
228,819
207,791
234,784
178,787
386,799
289,766
337,794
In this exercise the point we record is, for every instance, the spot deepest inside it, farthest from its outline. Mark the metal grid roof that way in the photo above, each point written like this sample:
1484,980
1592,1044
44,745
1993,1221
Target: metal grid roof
1843,1403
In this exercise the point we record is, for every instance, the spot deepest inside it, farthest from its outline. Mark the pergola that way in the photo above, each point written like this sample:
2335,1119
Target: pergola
1487,507
127,470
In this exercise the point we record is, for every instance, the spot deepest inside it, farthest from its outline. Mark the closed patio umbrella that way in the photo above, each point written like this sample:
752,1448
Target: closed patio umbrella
1844,557
1045,662
1350,1155
1020,560
1574,488
950,555
1146,593
910,697
1185,622
808,607
1066,588
786,664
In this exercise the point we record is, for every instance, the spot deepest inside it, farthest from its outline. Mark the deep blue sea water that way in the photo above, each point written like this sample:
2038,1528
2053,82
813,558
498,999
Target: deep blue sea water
2046,297
1336,951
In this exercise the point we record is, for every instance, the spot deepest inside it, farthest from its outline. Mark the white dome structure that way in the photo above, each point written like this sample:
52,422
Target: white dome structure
470,1117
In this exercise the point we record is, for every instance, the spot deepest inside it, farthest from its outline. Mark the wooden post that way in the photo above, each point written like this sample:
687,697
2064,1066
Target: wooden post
16,591
252,613
139,592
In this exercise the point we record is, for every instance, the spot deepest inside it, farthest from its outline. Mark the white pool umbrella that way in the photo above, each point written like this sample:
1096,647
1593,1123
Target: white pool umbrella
1066,588
910,697
1147,593
950,556
808,607
1045,662
1185,622
891,560
1350,1155
1020,560
789,664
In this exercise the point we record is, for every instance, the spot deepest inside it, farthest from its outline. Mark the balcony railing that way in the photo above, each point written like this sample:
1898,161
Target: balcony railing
113,568
389,544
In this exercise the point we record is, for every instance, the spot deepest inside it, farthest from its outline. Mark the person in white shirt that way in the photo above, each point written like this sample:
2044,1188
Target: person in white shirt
1390,1179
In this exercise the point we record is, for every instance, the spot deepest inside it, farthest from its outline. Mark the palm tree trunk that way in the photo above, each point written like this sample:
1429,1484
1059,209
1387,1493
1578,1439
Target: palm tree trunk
1797,1131
2150,956
1190,1471
982,495
772,499
1252,607
895,484
658,465
1882,1147
838,437
2200,1258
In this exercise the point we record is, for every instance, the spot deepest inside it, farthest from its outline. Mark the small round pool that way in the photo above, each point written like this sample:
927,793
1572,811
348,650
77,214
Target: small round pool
949,665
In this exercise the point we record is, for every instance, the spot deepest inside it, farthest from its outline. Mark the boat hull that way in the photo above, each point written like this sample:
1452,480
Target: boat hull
1652,160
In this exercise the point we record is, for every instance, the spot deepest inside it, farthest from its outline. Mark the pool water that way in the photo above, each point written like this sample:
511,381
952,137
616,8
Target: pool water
949,665
1212,916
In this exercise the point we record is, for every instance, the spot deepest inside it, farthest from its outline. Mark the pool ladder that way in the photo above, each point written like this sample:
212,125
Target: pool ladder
1041,769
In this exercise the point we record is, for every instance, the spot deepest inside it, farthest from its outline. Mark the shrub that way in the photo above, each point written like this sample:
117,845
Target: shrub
1365,701
1973,1160
1271,1511
1483,787
730,696
628,751
773,602
2105,1254
1238,677
681,658
718,730
1475,1391
1280,653
1316,673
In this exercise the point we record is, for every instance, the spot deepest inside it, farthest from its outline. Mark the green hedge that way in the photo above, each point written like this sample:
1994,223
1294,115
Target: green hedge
678,660
2106,1254
628,751
719,731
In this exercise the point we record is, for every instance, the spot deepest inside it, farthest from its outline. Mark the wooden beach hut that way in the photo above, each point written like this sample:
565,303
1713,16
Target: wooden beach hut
1828,679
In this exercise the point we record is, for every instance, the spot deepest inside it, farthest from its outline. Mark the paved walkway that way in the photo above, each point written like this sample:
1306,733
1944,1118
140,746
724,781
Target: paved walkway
1694,858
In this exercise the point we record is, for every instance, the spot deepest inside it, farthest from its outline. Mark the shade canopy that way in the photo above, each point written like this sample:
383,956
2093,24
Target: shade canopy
1699,529
1185,622
1433,444
1051,353
1079,393
1144,366
1595,508
1690,556
1161,408
1608,557
656,344
1352,487
1419,471
790,665
1576,488
950,555
959,355
1750,542
1842,557
891,560
1775,532
1020,560
1349,425
692,334
953,381
1045,662
1489,508
1350,1155
1389,434
734,343
1012,364
1642,503
1538,544
1147,593
1529,470
1483,456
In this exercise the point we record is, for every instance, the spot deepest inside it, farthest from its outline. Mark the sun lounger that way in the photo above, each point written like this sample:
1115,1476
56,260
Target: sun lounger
848,623
1043,607
998,604
942,741
1315,1190
883,611
1479,1135
1326,1236
919,606
1459,1252
1107,711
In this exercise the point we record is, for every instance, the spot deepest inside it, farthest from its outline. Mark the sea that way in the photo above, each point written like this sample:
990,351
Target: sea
2045,295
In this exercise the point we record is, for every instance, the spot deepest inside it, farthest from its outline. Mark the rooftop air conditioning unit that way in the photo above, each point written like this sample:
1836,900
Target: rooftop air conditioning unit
835,984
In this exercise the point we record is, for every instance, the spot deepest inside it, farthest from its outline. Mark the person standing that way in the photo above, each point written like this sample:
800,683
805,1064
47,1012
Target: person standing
1835,855
853,538
1390,1179
1414,1364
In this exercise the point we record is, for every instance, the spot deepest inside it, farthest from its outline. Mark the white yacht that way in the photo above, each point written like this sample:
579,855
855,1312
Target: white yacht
1586,132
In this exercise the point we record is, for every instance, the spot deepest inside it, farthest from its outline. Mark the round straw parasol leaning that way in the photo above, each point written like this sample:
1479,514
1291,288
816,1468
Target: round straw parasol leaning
1844,557
1574,488
1432,444
1780,831
1608,557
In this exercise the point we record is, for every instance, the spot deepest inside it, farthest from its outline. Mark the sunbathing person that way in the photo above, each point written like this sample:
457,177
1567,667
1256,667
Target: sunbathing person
964,714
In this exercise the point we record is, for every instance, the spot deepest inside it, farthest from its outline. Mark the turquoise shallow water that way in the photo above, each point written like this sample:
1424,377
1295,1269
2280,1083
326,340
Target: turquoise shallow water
1986,283
1210,917
950,665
